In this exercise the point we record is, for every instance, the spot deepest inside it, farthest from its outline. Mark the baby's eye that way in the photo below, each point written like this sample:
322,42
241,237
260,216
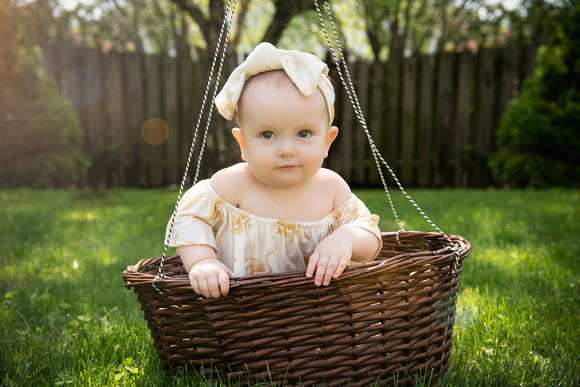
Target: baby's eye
304,133
267,135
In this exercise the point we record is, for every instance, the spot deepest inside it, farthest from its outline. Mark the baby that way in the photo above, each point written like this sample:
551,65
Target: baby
278,211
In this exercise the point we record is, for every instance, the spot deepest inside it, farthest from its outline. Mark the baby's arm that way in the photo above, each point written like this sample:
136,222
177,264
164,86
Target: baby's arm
207,275
334,252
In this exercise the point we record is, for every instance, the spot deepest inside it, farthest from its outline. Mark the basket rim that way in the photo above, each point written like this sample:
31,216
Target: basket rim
133,277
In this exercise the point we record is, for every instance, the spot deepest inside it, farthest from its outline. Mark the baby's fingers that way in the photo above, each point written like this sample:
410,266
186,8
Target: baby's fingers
325,271
224,284
312,264
329,268
213,285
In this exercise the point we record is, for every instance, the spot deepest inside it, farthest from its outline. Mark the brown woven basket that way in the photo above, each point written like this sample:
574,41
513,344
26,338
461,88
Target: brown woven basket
382,321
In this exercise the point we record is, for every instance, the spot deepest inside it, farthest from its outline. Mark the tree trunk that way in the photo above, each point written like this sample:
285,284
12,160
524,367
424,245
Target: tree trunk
285,11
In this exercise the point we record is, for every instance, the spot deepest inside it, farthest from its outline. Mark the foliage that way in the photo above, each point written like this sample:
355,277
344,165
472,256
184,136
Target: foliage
395,26
41,136
65,318
374,28
133,25
534,22
539,137
43,142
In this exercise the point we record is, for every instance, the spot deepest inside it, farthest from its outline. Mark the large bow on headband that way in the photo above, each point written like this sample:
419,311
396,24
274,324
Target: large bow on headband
306,71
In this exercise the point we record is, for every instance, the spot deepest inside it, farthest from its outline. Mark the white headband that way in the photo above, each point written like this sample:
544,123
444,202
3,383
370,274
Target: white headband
307,72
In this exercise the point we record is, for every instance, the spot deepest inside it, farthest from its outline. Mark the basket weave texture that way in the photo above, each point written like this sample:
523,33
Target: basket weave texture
382,321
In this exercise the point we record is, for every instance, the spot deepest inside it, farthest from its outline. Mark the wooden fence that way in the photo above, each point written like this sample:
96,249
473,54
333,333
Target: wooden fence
433,118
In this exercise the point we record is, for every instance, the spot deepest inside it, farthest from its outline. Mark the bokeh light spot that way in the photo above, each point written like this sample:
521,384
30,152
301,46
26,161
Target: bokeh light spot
155,131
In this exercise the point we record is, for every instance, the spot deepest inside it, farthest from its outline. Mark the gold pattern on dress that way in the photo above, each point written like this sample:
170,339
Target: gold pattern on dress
287,228
373,221
345,213
330,229
186,243
240,222
261,266
338,214
353,214
215,209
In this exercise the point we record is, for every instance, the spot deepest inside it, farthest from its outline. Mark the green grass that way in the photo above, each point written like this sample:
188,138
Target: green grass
65,318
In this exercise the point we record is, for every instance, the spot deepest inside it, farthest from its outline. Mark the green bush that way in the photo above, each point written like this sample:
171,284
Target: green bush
539,135
41,140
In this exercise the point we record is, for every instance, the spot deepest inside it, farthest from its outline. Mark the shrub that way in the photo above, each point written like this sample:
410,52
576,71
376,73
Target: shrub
42,143
539,135
41,140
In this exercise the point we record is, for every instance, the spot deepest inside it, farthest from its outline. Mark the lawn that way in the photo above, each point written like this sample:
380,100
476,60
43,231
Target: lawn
65,318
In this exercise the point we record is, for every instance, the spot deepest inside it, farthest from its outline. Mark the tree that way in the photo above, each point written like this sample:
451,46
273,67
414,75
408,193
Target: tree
170,26
535,21
416,26
126,25
210,23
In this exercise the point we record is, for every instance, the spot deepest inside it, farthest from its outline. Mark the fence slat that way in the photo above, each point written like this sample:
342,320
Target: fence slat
390,148
376,119
443,118
483,115
425,120
409,118
360,141
118,114
348,127
171,116
135,95
98,124
154,110
487,93
462,108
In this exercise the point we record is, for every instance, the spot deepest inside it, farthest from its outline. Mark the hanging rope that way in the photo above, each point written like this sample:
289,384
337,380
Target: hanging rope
349,87
376,154
230,10
358,110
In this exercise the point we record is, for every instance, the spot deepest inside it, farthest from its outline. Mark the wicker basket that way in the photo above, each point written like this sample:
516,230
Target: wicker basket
381,321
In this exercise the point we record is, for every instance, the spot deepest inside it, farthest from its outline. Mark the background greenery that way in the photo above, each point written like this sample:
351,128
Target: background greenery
41,139
65,318
539,136
42,144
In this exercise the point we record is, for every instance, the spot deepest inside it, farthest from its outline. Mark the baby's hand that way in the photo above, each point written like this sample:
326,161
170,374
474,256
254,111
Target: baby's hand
210,277
329,259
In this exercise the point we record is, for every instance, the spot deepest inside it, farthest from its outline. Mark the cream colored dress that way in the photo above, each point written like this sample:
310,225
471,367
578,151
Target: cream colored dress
249,244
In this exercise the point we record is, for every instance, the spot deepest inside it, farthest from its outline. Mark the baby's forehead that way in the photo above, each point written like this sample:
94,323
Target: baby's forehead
277,79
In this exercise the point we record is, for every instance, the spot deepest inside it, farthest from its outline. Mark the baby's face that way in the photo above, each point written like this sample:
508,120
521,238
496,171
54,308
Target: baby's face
284,136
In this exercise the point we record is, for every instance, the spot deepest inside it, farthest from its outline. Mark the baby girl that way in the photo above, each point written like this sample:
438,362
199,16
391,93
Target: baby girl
279,210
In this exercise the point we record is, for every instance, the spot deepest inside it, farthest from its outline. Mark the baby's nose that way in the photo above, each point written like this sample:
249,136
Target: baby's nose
287,148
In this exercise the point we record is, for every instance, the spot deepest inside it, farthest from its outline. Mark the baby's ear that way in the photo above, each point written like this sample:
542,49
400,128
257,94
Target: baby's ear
237,132
330,137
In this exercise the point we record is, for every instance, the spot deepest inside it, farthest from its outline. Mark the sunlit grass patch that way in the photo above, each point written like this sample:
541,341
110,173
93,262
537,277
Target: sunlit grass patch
65,318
